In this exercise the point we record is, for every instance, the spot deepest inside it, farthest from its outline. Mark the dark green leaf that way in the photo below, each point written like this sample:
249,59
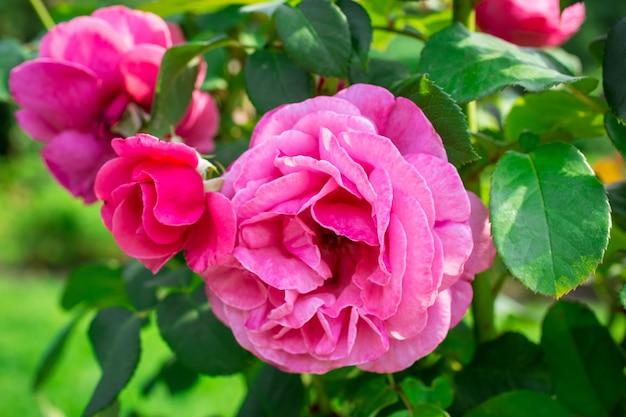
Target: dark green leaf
137,277
112,410
114,335
617,199
439,393
360,29
95,285
550,217
13,53
373,396
459,344
613,69
175,278
617,132
596,48
273,393
176,81
555,112
316,36
445,115
586,364
273,79
197,337
508,363
53,353
520,403
528,141
176,376
228,151
379,72
471,65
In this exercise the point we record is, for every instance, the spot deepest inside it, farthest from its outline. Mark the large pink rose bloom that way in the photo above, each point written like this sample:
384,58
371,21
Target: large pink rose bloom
92,72
155,204
356,240
534,23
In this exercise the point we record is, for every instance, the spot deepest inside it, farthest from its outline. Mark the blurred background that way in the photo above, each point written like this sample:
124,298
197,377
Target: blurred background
44,233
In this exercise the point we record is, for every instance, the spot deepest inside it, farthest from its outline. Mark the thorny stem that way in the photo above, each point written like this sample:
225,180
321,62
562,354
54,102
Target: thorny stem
43,14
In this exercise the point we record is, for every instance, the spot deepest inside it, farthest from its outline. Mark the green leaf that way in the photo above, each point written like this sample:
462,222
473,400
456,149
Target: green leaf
617,199
617,132
550,217
137,277
273,393
166,8
373,396
316,36
228,151
96,285
510,362
444,114
197,337
613,69
552,113
520,403
176,376
422,410
272,79
586,364
114,335
459,344
360,29
176,278
597,47
176,81
13,53
380,72
470,65
622,296
439,393
53,353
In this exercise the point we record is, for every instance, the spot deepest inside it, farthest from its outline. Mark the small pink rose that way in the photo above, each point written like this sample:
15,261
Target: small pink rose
356,239
155,205
92,72
533,23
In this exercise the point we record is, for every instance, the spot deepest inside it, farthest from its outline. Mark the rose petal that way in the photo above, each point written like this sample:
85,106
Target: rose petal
199,125
135,26
140,69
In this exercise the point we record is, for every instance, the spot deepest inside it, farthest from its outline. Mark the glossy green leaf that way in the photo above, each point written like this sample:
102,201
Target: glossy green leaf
272,79
176,81
470,65
316,36
585,363
197,337
444,114
360,29
520,403
380,72
550,217
553,113
166,8
373,396
114,336
617,132
141,295
53,353
95,285
13,53
440,392
613,69
510,362
273,393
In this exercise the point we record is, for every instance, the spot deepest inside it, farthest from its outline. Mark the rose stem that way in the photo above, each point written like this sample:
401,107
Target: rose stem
482,303
43,14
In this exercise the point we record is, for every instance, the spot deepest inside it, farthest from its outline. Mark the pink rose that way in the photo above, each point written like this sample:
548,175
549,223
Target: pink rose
534,23
94,73
356,239
155,204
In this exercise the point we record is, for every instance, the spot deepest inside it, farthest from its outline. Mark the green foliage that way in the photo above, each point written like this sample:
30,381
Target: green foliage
13,53
273,393
520,404
550,217
96,285
614,64
470,66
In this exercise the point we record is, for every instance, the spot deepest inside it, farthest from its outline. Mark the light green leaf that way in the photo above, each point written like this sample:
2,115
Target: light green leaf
166,8
316,36
550,217
470,65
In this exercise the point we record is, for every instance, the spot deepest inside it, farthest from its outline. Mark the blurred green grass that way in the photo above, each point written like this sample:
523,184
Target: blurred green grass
31,317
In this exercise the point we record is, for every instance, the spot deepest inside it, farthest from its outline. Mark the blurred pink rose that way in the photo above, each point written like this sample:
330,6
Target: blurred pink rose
155,204
92,73
356,238
534,23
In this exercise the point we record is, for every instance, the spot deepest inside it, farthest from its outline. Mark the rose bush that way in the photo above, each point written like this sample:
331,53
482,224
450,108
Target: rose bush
356,239
534,23
94,78
155,204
